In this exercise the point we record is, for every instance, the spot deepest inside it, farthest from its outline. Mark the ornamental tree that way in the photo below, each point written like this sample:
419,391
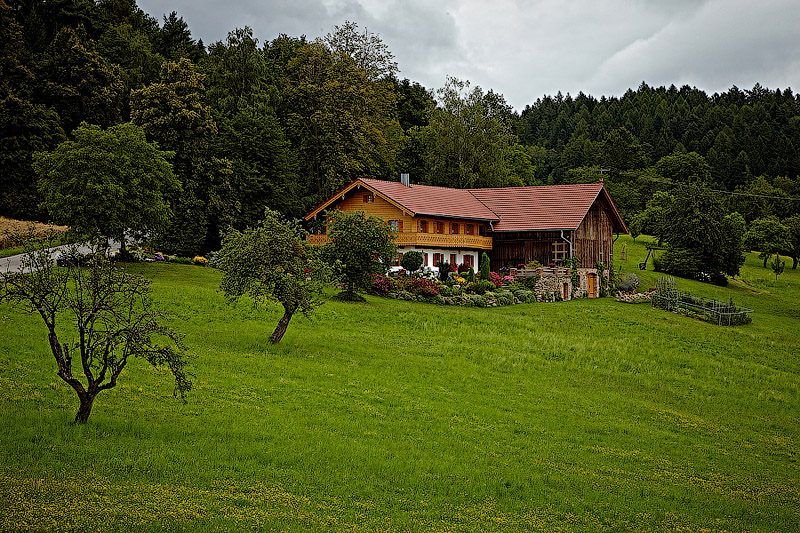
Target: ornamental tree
107,315
359,247
273,263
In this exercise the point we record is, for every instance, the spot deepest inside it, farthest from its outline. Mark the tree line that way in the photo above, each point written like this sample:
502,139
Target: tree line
284,124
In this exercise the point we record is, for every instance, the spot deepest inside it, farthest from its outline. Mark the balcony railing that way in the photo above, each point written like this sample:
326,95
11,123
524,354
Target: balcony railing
437,240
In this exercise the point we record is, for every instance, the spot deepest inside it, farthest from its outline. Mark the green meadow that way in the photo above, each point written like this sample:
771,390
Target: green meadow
588,415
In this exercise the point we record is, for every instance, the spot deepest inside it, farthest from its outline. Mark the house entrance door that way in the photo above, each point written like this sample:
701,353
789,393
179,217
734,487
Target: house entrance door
590,285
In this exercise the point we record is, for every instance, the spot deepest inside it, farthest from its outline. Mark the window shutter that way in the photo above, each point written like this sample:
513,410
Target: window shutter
426,259
399,226
453,259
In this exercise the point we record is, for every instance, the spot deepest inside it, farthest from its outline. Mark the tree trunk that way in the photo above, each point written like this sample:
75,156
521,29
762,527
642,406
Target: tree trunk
277,335
794,263
85,409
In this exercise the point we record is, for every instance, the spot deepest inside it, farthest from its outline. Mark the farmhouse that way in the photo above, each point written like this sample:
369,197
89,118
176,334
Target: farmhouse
514,225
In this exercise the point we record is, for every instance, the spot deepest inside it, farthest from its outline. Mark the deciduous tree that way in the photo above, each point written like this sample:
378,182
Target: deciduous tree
273,262
359,247
106,182
108,315
768,236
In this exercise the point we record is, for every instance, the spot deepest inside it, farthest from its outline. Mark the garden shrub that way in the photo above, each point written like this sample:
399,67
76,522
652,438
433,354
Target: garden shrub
444,271
478,300
438,299
412,260
199,260
528,283
523,296
629,283
424,287
485,270
382,284
471,275
505,298
481,287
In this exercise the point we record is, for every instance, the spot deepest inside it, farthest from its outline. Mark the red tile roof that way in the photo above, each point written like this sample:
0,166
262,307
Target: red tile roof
433,201
545,207
537,208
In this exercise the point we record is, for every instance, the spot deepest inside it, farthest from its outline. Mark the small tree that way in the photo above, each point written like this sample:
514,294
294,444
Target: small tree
359,247
273,262
485,269
768,236
777,265
412,260
108,309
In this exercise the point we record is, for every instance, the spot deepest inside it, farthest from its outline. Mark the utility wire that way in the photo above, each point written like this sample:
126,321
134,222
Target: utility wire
668,182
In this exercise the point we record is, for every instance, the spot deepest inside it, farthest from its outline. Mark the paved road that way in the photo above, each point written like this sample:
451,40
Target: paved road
13,263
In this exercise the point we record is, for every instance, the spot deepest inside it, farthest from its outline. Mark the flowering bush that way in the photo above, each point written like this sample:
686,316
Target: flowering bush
199,260
629,283
424,287
460,280
382,284
508,280
494,277
158,256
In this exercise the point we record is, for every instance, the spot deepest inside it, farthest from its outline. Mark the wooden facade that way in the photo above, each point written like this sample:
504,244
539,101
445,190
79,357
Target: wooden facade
464,238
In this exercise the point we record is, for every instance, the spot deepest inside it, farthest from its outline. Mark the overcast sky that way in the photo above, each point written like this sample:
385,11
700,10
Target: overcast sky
528,49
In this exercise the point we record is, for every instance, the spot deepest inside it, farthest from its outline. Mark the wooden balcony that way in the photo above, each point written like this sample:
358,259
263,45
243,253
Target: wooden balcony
435,240
443,240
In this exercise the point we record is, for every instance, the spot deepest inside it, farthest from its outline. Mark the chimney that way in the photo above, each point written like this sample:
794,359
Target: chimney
405,180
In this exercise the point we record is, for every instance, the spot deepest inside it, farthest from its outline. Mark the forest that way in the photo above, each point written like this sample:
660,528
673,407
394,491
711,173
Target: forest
286,123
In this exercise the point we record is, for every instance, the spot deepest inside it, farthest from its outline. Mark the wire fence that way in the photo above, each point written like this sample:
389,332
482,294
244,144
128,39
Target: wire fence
669,298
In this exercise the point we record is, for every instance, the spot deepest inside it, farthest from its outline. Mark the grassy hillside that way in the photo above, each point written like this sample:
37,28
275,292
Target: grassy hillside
587,415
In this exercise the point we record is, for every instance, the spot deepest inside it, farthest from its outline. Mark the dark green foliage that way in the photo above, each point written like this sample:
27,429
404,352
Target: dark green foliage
106,182
173,113
738,133
681,262
412,260
485,268
793,226
696,221
444,270
78,83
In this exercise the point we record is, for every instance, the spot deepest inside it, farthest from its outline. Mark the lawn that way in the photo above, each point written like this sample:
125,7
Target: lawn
588,415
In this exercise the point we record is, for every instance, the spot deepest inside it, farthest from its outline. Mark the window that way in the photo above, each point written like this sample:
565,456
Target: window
454,228
469,260
369,198
560,250
397,259
438,259
395,225
468,230
439,226
426,258
423,226
481,230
